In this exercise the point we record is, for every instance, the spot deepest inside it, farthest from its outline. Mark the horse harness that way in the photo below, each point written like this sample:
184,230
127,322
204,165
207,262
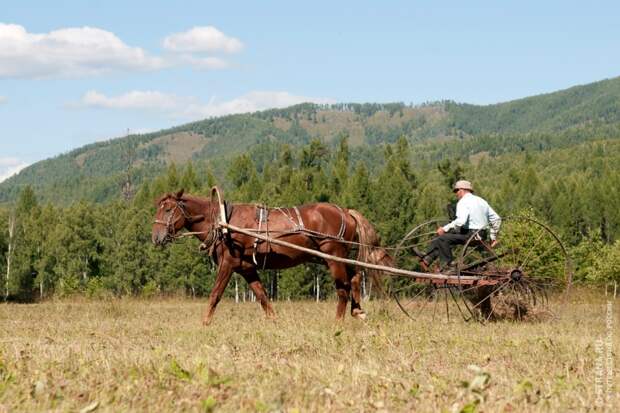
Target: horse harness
297,227
216,233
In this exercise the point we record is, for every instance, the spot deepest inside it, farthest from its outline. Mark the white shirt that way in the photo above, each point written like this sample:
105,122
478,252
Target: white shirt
473,212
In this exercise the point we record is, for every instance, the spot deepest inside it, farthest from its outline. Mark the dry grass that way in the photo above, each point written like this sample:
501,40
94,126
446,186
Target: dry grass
132,355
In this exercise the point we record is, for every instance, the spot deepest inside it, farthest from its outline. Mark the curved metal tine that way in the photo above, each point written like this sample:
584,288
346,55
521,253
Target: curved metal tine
403,309
419,293
469,251
549,281
410,246
495,294
424,304
541,256
545,271
473,287
492,293
403,288
457,304
469,309
530,293
468,254
472,249
423,234
540,290
510,245
539,296
406,311
445,295
543,292
524,295
532,248
546,282
551,271
435,301
462,292
535,302
518,303
417,236
488,317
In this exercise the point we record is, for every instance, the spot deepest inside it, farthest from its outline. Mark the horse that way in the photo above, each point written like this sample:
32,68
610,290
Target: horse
322,227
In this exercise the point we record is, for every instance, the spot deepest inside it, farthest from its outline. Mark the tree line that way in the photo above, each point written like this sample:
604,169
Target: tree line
100,249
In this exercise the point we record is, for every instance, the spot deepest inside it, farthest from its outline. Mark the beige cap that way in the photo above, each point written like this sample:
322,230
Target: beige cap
463,184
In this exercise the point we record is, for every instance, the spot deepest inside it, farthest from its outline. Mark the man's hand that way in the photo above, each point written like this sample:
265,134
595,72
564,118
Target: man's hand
440,231
494,243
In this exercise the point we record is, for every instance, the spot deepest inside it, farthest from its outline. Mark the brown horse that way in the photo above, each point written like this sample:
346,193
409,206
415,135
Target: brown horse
323,227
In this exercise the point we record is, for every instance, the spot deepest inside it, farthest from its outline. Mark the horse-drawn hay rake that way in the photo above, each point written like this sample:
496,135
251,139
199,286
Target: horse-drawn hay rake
512,280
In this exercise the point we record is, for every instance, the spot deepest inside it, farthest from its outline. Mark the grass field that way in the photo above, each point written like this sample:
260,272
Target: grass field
134,355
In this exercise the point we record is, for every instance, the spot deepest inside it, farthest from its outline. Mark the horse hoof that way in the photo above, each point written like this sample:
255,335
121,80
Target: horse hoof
359,314
206,322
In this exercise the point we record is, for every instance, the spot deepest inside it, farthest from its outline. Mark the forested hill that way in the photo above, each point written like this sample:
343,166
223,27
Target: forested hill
595,103
96,172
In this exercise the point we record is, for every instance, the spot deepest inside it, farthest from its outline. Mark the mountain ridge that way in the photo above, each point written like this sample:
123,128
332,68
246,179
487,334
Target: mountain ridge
94,170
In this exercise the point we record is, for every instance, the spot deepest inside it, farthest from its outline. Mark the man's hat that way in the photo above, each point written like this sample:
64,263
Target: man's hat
463,184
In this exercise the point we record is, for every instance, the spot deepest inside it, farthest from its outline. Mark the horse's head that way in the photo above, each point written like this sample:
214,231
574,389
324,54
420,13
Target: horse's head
170,217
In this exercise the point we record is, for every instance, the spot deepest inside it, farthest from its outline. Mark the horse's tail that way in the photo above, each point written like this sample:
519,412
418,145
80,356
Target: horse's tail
370,251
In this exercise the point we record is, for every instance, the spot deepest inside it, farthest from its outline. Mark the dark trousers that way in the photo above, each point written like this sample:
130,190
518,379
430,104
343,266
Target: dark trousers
442,245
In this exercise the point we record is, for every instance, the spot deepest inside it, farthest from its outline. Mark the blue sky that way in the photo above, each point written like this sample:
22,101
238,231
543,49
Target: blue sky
75,72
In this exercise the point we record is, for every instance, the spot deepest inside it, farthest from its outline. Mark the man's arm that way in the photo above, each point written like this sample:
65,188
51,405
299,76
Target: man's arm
495,222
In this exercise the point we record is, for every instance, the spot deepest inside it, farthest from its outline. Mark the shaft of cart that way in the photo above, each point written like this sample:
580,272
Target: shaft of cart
396,271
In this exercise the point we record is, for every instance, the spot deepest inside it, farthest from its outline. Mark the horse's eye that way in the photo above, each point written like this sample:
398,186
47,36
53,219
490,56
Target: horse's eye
168,209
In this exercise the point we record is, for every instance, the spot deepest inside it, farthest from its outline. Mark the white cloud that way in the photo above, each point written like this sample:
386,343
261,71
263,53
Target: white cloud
191,108
206,63
10,166
3,99
68,52
202,39
252,102
137,99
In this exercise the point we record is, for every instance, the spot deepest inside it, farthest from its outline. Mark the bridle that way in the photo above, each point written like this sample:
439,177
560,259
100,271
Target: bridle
170,222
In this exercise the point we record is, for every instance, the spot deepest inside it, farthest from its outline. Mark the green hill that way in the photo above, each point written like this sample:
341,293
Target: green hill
578,106
95,172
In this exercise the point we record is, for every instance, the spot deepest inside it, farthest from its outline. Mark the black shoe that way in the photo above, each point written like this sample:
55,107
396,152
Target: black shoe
418,253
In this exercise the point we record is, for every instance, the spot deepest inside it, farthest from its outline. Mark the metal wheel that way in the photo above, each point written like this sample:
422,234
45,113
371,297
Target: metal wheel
421,298
527,266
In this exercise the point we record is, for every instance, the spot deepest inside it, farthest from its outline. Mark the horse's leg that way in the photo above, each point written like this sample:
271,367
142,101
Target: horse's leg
356,295
256,285
343,286
224,273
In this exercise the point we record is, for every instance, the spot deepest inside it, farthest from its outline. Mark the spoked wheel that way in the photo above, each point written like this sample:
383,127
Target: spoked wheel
519,275
421,298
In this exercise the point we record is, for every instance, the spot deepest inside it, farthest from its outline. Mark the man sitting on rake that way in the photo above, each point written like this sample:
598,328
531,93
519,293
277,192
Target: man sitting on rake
472,214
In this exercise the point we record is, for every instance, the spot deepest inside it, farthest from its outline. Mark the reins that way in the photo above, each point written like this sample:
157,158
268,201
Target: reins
217,215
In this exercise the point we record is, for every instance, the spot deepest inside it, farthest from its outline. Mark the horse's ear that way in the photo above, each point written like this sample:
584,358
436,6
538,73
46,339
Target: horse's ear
179,194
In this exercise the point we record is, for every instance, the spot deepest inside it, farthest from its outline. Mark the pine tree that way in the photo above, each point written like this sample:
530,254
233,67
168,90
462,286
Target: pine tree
190,181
